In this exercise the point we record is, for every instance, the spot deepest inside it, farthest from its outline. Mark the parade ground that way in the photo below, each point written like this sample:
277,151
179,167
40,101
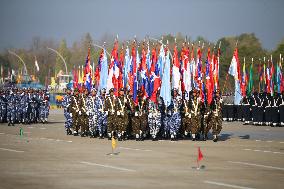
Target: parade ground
45,157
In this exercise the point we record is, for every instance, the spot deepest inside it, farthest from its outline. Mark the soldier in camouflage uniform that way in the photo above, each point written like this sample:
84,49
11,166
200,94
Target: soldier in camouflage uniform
121,115
92,112
155,116
83,121
101,115
66,102
186,116
207,121
195,107
24,106
3,106
11,108
109,108
175,117
216,120
139,117
74,110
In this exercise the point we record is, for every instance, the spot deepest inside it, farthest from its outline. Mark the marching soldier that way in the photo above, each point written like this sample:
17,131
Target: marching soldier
11,107
83,121
175,117
66,102
216,116
186,116
3,106
155,116
121,115
195,114
101,115
109,108
92,112
139,117
75,111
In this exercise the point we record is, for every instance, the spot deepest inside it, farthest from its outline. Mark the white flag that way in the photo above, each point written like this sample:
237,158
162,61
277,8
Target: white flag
36,64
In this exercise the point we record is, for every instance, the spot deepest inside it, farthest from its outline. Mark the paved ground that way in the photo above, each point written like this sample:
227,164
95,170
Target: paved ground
246,157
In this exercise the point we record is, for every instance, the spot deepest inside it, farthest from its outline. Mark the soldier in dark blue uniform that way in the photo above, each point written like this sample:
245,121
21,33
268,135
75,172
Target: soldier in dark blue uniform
3,106
11,108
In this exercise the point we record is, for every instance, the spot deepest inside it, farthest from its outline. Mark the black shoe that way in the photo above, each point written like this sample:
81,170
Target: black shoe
193,139
215,139
75,134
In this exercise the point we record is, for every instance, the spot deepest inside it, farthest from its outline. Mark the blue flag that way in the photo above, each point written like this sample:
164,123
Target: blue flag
104,71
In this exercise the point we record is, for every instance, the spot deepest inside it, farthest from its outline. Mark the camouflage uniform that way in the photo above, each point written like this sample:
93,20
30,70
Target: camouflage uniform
111,117
83,121
121,115
3,107
139,118
216,120
175,117
195,116
154,118
66,102
11,108
101,116
92,114
186,117
75,108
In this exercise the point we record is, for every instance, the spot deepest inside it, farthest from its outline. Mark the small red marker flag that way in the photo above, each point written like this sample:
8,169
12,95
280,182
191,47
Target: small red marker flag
200,155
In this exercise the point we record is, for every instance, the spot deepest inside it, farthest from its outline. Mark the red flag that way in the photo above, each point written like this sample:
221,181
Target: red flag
200,155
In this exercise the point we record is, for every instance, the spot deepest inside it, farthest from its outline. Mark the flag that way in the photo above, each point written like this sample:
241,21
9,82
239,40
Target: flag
87,79
113,143
36,65
126,68
166,84
234,70
250,84
143,73
103,70
176,71
244,82
155,81
200,155
209,79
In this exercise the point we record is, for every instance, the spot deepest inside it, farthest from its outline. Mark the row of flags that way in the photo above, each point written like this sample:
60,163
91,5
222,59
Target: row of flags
270,80
152,70
159,69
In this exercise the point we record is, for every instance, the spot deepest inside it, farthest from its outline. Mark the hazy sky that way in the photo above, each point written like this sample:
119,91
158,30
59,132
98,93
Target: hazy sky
21,20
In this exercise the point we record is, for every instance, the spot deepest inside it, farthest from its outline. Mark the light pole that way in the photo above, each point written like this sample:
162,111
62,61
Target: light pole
102,48
53,50
13,53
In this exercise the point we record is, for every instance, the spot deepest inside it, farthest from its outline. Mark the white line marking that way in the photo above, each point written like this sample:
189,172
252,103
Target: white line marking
69,141
2,133
265,151
269,141
136,149
257,140
257,165
226,185
42,128
10,150
27,132
281,142
108,166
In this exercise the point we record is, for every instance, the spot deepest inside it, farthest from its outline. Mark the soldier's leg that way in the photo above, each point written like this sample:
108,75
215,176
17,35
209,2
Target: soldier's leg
110,125
217,127
144,125
135,126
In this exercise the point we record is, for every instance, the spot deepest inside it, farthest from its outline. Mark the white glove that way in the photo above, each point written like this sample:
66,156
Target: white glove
106,112
80,112
71,115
